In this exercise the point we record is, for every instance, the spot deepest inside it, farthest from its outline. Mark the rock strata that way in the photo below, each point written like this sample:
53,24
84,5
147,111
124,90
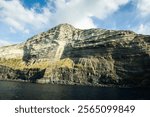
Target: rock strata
66,55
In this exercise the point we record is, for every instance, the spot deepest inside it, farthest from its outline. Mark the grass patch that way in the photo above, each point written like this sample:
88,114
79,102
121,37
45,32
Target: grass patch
20,64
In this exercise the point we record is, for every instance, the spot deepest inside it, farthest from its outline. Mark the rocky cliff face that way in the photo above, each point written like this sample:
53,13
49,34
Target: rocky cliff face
12,51
68,55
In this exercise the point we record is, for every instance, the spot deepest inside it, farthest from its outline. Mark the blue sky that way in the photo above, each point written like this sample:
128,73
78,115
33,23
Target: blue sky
21,19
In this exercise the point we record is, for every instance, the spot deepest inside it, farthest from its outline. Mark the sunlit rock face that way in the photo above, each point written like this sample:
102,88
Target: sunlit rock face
12,51
48,45
68,55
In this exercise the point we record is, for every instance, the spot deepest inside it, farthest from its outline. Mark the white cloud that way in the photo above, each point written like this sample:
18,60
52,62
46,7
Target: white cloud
19,18
143,14
143,29
144,7
79,12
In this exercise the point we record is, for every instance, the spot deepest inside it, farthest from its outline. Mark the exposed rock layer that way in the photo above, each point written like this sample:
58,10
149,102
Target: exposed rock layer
68,55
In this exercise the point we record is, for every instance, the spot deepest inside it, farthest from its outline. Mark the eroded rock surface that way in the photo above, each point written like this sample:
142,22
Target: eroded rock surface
94,56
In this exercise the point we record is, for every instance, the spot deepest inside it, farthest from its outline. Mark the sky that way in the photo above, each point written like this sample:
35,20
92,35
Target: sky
22,19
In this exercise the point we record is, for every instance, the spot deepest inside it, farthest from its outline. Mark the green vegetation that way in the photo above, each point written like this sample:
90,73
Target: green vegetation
64,63
20,64
13,63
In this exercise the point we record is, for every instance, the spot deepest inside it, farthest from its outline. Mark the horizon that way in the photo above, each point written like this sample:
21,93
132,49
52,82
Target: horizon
22,19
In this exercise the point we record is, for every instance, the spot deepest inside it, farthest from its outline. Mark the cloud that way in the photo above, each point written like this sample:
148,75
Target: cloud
14,14
143,7
80,12
143,29
143,16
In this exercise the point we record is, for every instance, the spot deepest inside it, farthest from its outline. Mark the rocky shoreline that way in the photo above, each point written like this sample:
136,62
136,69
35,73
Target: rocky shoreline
77,84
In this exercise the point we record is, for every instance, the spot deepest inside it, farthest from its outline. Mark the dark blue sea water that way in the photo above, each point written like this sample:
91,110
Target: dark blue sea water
32,91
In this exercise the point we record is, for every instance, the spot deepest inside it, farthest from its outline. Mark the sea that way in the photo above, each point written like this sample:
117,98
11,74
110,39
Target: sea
31,91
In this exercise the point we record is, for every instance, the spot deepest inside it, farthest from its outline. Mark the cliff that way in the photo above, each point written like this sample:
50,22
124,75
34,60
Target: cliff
66,55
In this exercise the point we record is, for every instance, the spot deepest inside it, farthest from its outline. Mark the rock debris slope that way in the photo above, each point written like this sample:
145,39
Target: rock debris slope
66,55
